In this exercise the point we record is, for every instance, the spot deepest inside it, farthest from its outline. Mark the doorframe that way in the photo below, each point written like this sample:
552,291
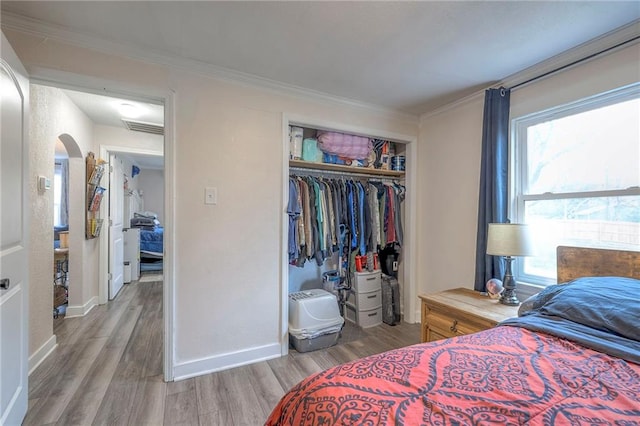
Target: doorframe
166,97
411,307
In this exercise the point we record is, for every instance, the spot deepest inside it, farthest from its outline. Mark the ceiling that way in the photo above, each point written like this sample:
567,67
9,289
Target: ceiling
106,111
411,57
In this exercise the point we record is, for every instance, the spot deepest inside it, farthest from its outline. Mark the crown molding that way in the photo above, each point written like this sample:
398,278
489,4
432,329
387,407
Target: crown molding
59,33
605,44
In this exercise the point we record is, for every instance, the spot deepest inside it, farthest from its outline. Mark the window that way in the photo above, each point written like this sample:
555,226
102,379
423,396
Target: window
57,194
577,178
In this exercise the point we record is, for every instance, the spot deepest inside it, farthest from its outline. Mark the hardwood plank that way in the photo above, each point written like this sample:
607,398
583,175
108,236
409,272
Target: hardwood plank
118,400
266,385
213,401
181,386
286,371
216,418
149,401
153,365
242,397
89,396
181,409
66,381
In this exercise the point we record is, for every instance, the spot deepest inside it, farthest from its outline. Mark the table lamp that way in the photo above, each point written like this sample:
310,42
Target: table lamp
509,240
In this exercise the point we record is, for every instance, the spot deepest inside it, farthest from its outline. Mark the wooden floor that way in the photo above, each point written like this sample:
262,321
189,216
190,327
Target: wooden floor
107,369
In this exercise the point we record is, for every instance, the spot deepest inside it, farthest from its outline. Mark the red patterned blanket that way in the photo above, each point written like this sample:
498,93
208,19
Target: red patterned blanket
505,375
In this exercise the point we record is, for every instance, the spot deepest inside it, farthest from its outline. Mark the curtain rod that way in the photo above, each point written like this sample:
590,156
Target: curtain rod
576,62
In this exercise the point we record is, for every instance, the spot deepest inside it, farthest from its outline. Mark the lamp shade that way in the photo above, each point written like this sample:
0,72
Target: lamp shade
509,239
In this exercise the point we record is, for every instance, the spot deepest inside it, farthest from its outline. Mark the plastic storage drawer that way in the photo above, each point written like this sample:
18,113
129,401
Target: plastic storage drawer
365,301
366,282
364,319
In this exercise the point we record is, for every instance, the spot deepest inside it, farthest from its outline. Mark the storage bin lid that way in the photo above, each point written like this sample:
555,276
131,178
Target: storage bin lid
312,311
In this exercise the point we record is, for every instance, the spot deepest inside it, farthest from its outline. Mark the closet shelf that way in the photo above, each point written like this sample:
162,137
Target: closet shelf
345,169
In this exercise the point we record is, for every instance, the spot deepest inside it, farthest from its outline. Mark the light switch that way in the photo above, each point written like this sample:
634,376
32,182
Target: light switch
211,195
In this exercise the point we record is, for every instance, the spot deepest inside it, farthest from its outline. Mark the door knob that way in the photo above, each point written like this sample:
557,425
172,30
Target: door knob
5,283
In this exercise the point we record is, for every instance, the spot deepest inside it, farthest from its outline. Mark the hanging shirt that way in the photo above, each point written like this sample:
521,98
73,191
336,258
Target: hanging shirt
293,210
391,228
361,217
375,216
399,192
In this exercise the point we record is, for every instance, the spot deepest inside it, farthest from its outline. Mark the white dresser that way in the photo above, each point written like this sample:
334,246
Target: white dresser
132,251
364,301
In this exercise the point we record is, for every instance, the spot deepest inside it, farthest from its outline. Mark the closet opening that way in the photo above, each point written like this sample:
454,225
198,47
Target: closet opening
347,214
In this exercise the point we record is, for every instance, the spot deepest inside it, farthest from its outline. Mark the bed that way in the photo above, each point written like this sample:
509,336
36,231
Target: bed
572,357
151,241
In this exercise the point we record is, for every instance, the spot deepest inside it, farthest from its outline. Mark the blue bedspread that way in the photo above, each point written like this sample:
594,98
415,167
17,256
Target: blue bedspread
152,240
600,313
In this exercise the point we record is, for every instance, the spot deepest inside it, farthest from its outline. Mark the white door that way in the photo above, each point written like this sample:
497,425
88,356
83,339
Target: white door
14,105
116,213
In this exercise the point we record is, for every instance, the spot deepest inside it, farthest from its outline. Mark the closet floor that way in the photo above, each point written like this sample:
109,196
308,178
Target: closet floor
107,368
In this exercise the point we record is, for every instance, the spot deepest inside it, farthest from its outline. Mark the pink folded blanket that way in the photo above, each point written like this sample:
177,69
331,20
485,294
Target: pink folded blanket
350,146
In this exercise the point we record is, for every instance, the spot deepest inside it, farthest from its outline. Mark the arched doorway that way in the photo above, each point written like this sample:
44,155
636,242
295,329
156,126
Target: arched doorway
69,170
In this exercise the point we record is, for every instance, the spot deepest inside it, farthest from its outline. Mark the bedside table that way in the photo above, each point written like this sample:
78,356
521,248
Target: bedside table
460,311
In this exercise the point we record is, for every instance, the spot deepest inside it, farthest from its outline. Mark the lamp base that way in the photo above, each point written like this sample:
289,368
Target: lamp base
509,298
509,283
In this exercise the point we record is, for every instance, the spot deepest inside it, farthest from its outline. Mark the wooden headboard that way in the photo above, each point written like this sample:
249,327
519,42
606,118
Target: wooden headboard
576,262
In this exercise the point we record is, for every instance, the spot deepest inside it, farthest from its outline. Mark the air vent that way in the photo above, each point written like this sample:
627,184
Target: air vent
141,126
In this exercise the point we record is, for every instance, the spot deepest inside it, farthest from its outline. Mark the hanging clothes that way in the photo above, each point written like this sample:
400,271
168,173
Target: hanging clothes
354,217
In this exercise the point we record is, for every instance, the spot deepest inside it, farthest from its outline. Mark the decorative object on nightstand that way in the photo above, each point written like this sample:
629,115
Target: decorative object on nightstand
509,240
460,311
494,288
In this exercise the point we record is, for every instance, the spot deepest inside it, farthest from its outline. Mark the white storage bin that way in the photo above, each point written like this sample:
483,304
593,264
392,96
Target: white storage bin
313,310
320,342
314,320
366,282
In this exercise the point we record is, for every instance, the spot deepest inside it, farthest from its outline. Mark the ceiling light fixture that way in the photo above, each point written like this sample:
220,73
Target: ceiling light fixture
129,110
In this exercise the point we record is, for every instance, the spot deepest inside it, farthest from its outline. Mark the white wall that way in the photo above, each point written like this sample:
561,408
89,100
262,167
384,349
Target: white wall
227,256
53,115
151,183
450,144
121,140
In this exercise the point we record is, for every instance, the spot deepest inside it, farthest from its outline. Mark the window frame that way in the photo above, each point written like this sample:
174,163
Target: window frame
518,190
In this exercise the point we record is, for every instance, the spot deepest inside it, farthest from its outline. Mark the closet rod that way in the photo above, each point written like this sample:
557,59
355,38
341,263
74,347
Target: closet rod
340,174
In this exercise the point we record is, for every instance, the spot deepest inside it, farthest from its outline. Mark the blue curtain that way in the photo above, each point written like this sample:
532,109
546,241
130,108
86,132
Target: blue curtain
493,203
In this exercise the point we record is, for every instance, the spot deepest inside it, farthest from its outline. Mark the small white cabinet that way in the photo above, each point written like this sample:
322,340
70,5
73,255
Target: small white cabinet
364,300
132,251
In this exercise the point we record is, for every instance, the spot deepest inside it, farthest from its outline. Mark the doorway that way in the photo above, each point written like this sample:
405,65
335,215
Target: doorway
106,138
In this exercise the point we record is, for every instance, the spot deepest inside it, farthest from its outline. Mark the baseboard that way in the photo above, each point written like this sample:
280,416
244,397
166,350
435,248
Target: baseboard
226,361
42,353
80,311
